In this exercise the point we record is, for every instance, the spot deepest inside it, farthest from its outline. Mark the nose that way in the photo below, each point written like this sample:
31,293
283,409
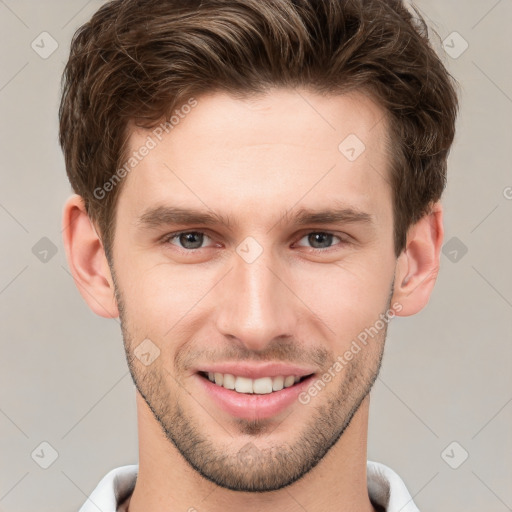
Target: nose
255,303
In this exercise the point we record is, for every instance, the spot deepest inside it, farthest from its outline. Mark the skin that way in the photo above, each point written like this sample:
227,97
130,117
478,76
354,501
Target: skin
255,160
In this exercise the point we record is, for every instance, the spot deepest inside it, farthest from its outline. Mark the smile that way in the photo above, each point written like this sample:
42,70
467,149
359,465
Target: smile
260,386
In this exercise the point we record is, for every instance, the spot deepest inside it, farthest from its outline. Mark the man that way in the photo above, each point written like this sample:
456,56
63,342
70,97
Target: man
258,190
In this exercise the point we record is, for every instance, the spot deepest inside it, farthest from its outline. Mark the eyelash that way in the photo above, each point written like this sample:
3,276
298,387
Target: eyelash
171,236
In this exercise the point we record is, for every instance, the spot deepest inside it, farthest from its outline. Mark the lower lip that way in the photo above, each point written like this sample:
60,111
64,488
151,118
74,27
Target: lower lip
251,406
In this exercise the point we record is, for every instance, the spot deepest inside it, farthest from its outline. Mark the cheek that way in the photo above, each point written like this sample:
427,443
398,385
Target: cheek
347,297
163,294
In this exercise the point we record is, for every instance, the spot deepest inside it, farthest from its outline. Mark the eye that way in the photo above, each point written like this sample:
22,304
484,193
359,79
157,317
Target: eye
189,240
322,240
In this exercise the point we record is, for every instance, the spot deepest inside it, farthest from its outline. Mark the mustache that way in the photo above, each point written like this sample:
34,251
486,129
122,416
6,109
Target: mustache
284,351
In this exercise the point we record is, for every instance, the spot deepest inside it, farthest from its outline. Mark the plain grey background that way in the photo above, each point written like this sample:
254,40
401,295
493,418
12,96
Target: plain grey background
445,390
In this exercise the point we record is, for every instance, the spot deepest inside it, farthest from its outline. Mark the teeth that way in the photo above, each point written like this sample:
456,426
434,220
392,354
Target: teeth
261,386
277,383
229,381
289,381
243,385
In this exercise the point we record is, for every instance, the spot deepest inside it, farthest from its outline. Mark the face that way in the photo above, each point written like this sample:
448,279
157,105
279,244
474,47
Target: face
287,258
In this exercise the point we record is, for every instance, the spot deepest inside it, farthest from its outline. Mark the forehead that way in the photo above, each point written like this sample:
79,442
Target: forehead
264,153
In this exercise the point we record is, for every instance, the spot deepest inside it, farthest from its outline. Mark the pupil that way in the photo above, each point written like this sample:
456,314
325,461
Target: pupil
185,238
313,238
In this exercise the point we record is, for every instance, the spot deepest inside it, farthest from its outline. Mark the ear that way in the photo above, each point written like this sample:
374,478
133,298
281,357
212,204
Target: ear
418,264
87,260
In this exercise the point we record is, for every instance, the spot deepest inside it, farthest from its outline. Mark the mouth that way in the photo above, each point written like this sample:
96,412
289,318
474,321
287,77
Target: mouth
253,399
260,386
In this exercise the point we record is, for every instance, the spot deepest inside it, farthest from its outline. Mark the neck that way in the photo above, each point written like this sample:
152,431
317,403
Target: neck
166,482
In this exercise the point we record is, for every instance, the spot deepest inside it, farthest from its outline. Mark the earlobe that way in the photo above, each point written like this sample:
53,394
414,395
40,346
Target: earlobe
418,265
86,259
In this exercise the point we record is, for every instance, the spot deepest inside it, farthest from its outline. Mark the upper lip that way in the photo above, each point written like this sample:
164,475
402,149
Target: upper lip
253,371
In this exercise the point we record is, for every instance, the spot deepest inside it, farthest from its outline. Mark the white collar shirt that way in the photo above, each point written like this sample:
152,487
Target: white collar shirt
385,488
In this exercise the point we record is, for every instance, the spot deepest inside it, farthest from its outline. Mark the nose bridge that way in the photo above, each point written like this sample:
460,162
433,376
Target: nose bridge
256,307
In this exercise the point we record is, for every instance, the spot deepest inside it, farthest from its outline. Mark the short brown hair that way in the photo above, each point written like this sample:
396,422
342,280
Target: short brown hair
135,61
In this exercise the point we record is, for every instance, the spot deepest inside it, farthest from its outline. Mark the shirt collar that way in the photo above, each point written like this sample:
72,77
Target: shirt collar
385,489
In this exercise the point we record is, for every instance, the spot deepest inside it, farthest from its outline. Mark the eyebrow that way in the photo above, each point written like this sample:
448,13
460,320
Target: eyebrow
166,215
345,215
